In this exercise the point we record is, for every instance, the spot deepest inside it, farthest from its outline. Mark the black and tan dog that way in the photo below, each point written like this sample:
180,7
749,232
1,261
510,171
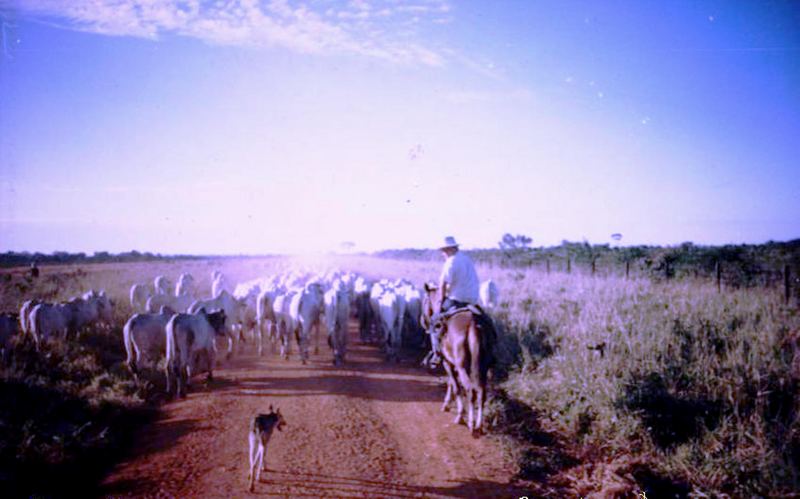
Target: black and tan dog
260,433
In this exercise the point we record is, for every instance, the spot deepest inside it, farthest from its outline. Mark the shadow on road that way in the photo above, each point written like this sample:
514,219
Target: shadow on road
153,439
390,390
280,483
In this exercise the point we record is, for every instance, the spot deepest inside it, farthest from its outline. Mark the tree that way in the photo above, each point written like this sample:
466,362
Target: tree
515,244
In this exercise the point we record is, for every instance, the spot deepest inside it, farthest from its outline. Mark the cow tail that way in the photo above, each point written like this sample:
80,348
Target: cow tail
171,350
34,325
127,337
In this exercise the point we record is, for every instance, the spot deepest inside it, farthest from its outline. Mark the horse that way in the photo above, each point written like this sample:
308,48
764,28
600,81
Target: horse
466,340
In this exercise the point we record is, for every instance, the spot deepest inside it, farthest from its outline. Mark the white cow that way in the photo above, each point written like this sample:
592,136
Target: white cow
219,285
265,317
284,323
234,310
162,285
375,293
412,330
180,303
48,320
144,336
306,309
185,285
95,309
139,295
62,319
24,315
392,308
337,313
247,294
190,337
363,308
489,295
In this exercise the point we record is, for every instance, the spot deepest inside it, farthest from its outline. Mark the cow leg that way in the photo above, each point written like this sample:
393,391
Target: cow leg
185,375
342,347
273,336
167,371
260,333
230,343
301,335
180,388
284,338
316,338
212,363
481,393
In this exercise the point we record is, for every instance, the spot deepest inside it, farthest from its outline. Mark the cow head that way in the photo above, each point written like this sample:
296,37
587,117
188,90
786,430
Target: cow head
166,310
217,321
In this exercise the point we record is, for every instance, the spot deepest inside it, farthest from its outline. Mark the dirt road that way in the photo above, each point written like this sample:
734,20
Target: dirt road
368,429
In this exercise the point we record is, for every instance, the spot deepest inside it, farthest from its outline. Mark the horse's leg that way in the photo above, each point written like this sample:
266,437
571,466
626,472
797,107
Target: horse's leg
481,393
465,392
459,402
448,397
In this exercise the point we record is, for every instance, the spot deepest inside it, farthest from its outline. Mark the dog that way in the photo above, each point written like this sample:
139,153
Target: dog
260,433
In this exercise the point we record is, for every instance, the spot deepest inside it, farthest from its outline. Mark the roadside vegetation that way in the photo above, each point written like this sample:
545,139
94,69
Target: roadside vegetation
69,412
658,382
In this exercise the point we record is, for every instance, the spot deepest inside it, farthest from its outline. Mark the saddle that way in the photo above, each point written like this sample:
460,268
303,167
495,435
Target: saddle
475,309
484,322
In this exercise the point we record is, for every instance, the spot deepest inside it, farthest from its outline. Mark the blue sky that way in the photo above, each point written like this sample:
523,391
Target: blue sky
282,126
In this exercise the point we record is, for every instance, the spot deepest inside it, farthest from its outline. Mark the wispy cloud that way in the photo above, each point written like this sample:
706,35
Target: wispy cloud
357,27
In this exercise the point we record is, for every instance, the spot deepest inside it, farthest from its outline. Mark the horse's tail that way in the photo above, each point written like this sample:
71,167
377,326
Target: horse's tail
488,338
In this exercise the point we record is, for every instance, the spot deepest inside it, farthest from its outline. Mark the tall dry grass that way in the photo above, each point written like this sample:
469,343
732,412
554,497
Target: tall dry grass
697,383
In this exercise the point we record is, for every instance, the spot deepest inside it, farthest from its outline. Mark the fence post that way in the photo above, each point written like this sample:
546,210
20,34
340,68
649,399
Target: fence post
593,265
718,271
547,261
627,268
569,266
787,287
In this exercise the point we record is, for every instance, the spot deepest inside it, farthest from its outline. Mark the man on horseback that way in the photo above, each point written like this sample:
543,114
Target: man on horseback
458,288
458,283
462,335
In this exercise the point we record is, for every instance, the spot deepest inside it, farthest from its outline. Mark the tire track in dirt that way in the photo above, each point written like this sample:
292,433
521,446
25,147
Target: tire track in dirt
368,429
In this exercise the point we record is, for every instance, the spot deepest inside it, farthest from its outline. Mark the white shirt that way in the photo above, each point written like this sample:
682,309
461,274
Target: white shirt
461,278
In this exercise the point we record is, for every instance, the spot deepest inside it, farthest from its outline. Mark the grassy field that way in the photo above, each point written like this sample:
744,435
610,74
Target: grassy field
605,383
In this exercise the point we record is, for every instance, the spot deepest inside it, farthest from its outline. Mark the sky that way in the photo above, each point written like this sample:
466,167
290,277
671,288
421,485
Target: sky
253,127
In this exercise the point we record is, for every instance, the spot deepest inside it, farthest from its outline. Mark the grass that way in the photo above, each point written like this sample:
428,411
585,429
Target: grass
691,381
605,384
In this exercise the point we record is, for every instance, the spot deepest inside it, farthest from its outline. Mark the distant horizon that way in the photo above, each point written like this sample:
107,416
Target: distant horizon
94,253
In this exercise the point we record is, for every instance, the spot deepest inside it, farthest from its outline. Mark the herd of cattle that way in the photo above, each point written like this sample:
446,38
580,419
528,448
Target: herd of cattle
176,322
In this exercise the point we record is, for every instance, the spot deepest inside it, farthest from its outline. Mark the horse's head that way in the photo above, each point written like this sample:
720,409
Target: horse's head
431,304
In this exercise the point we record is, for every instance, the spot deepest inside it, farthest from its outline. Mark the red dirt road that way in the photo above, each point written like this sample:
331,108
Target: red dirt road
368,429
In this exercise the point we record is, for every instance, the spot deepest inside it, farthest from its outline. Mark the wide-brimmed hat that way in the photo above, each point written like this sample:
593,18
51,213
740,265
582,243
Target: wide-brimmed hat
449,242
